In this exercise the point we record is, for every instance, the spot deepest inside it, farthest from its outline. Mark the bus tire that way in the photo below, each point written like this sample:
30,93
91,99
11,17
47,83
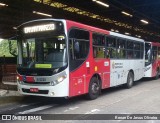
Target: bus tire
130,80
157,75
94,89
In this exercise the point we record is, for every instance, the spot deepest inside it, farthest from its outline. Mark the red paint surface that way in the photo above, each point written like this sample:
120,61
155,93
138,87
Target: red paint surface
156,63
79,79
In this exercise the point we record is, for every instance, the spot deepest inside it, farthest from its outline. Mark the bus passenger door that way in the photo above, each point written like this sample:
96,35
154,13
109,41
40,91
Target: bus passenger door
78,55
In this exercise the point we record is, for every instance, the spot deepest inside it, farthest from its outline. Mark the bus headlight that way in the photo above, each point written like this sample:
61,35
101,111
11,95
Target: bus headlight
17,78
59,79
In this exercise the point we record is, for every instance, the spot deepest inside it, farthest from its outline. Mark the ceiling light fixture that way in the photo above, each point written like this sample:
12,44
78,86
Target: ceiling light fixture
15,28
2,4
127,14
101,3
116,31
127,33
144,21
40,13
112,30
138,36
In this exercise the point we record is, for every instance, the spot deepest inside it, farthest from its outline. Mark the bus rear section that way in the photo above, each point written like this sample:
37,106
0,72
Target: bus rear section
126,59
152,59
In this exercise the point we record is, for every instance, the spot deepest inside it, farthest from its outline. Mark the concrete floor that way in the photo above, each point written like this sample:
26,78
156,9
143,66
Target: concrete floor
142,98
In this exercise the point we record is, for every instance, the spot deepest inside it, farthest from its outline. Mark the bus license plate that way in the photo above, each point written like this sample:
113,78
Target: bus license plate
34,90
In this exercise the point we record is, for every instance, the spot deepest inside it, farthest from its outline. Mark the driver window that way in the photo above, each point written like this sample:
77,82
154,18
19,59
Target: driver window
78,47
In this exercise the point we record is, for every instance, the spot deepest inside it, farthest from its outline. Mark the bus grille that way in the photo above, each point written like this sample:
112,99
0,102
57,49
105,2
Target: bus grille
39,92
36,83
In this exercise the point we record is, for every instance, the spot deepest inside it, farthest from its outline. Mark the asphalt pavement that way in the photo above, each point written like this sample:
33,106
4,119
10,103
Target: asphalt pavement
113,105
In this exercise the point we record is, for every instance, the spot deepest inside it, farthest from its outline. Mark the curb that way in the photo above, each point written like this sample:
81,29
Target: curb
10,99
8,96
3,92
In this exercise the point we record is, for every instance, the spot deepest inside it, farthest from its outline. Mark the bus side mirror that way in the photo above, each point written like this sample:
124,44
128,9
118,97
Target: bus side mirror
13,46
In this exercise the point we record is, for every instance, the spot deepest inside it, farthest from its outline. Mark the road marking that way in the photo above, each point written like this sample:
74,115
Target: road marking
16,107
71,109
36,109
24,105
3,92
92,111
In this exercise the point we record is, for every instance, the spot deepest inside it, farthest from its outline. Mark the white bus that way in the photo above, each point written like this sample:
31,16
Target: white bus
62,58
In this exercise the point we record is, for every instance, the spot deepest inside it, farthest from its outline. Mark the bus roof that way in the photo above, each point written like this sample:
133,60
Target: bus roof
98,30
87,27
125,36
155,44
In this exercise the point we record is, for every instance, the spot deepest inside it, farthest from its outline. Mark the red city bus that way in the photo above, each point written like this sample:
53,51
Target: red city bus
62,58
152,59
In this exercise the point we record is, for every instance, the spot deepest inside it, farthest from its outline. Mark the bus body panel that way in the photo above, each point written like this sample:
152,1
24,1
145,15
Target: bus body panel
151,69
156,63
148,71
154,68
111,72
121,68
59,90
80,78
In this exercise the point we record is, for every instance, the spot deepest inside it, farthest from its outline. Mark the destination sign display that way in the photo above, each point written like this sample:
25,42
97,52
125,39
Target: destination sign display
39,28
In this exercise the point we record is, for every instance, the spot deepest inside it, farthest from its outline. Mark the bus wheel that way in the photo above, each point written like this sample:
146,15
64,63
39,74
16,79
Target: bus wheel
129,83
94,89
157,75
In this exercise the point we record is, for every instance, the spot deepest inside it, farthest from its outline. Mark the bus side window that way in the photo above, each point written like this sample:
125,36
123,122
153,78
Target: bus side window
110,47
154,53
121,48
78,47
142,50
112,52
98,45
136,48
98,52
129,49
158,52
129,54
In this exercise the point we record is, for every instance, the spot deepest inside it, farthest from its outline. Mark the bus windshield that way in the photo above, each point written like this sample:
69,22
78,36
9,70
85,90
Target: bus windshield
44,52
148,53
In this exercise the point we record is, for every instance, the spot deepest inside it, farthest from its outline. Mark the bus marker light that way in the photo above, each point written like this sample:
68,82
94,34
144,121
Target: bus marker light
95,68
87,64
75,84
